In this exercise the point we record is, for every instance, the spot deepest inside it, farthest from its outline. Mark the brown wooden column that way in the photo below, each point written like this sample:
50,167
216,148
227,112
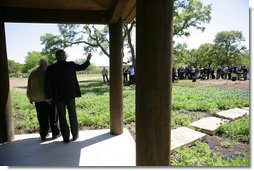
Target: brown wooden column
6,125
116,78
153,83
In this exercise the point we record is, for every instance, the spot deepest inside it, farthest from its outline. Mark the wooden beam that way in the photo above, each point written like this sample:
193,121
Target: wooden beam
118,10
153,84
129,11
58,4
6,123
116,78
53,16
131,15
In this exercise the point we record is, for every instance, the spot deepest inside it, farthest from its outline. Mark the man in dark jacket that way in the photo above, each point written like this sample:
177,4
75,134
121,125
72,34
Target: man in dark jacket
62,87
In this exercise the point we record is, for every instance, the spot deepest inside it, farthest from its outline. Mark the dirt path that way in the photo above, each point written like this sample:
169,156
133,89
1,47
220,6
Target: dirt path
228,83
223,83
20,84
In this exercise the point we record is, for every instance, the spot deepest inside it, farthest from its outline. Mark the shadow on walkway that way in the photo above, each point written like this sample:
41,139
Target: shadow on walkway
32,152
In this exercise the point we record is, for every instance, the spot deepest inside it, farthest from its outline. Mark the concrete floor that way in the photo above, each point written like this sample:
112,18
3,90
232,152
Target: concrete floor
93,148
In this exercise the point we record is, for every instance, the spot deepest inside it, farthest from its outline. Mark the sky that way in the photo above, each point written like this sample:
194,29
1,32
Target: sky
226,15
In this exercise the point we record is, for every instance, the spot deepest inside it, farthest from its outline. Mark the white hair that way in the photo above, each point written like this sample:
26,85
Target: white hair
43,61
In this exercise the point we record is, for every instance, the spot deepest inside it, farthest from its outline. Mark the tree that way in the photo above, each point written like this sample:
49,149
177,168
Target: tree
245,58
190,13
180,53
32,61
129,42
13,66
229,47
51,44
206,55
192,59
187,14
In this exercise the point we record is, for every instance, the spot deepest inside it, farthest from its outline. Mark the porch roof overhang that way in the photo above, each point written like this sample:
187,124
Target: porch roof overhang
67,11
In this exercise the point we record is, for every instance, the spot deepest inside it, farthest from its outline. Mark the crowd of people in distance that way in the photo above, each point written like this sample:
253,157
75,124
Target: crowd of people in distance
131,72
221,72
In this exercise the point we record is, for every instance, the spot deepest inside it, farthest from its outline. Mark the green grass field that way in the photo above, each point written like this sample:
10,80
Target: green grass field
93,106
190,103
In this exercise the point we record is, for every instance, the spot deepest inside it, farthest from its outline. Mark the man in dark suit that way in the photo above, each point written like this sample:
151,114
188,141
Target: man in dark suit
62,87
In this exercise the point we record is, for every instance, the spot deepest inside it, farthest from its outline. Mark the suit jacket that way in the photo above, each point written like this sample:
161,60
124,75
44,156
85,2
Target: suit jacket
61,81
35,86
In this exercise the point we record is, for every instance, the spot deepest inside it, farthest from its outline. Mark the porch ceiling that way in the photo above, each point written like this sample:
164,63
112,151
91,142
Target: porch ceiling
67,11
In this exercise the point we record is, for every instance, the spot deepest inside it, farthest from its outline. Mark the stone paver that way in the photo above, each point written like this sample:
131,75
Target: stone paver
247,108
208,125
232,114
184,136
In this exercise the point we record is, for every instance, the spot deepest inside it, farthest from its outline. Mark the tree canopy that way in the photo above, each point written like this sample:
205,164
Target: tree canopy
187,14
32,61
190,13
226,49
229,47
13,66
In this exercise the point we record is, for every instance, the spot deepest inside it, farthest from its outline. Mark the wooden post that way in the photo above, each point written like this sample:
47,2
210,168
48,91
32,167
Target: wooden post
6,125
153,83
116,78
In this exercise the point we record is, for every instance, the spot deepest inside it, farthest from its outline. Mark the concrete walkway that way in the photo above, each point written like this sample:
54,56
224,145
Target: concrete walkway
93,148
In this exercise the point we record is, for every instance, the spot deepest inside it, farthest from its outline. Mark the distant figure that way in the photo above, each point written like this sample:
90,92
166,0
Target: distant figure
36,93
132,75
104,73
174,74
233,75
62,88
245,73
193,74
125,74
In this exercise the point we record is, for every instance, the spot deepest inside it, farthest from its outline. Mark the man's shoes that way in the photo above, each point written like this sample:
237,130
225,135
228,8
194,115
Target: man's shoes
66,141
75,138
56,136
43,138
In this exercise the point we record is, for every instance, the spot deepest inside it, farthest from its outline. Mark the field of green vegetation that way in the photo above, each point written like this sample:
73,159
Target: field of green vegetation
190,103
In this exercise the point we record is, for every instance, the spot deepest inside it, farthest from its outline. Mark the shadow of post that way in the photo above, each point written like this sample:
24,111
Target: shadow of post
33,152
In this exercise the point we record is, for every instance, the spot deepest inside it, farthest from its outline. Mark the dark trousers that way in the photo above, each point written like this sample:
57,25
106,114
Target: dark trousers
105,78
61,109
125,77
46,115
132,79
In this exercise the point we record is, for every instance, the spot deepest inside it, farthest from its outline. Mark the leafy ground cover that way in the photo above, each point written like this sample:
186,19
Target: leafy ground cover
237,130
204,154
208,98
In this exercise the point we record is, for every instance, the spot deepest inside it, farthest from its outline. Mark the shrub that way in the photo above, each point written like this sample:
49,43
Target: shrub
237,130
202,154
180,120
208,98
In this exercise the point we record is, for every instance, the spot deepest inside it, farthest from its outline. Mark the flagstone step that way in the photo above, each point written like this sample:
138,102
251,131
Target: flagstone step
184,136
246,108
232,114
208,125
